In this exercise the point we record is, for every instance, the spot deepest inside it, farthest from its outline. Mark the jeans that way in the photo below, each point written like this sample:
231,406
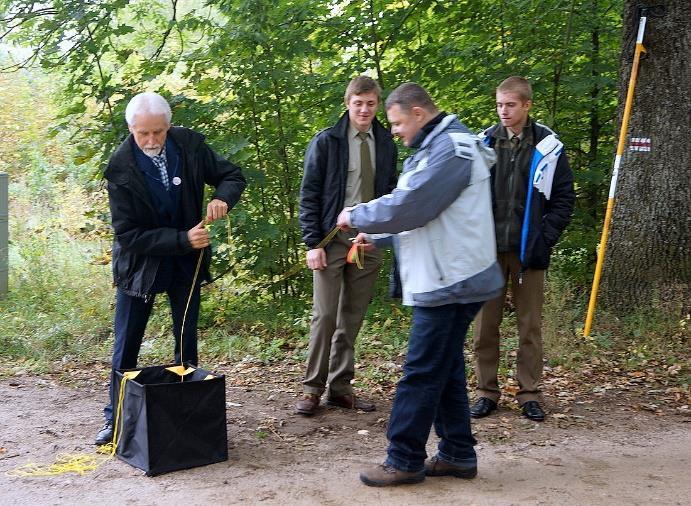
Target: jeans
131,317
433,390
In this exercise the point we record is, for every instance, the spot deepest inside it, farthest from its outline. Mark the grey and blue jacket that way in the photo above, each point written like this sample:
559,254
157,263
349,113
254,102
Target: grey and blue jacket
441,215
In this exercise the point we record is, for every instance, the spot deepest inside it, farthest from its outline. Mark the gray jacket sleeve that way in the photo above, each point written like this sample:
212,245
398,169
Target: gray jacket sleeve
422,196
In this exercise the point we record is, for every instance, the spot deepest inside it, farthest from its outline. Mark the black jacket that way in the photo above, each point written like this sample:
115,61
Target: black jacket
548,218
322,193
140,241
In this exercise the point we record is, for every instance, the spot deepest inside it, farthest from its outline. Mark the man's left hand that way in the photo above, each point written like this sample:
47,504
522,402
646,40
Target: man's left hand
215,210
343,220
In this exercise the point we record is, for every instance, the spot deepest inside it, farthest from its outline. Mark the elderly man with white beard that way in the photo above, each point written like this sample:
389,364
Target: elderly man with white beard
156,181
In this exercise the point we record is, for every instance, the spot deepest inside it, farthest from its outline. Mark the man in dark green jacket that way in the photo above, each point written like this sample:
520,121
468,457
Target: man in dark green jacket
533,198
156,184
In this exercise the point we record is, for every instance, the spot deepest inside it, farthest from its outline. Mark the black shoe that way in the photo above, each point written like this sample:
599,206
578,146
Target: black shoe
436,466
533,411
482,407
105,435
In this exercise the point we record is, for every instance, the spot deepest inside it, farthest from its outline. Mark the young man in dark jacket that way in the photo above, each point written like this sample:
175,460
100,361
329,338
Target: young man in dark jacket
156,184
349,163
533,198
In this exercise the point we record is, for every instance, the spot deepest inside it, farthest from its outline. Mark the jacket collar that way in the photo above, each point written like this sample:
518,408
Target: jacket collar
426,129
443,125
186,141
340,129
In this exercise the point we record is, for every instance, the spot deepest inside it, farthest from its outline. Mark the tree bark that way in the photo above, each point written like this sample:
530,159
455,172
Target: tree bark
648,258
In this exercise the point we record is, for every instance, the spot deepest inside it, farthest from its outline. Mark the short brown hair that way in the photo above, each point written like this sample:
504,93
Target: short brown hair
409,95
516,84
360,85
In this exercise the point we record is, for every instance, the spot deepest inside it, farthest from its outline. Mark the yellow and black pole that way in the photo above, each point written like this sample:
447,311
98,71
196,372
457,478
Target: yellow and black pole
615,174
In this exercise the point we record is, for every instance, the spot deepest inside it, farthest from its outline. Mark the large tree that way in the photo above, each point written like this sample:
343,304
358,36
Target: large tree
649,252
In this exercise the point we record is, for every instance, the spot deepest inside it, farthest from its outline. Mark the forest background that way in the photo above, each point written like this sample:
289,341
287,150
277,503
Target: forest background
259,78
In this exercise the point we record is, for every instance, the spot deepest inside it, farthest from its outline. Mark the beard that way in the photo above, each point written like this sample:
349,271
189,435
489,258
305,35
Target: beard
152,150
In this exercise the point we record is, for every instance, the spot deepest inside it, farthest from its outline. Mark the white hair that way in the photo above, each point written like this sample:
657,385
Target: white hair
147,102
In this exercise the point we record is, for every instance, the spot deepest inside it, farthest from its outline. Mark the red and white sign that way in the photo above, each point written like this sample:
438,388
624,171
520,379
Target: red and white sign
639,144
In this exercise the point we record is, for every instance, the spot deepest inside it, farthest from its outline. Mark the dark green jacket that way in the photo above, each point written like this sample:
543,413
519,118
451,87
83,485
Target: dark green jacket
510,174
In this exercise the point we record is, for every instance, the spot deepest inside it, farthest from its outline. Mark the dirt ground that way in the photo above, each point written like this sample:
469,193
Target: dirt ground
624,444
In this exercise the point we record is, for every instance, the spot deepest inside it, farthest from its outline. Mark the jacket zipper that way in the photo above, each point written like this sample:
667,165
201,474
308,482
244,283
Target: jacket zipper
512,204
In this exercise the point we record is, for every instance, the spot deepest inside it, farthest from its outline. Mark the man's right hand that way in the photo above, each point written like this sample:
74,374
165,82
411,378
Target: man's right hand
316,259
198,236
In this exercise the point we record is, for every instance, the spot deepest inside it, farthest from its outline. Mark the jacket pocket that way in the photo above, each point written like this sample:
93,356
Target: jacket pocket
437,258
538,253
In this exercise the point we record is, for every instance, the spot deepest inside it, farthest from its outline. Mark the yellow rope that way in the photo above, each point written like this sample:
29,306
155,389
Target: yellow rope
187,306
64,463
84,463
79,463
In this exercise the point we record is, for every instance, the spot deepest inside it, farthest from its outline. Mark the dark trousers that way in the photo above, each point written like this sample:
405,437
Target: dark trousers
131,317
433,390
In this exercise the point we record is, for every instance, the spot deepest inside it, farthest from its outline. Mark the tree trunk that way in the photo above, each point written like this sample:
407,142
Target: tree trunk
648,256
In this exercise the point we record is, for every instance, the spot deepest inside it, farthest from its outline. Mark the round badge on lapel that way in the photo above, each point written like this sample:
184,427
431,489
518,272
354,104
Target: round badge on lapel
177,181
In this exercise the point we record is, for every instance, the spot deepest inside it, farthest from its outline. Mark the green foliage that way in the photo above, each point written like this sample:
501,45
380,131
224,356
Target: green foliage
261,77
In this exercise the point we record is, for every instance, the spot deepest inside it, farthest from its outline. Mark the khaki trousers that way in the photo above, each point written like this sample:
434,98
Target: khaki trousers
527,298
341,295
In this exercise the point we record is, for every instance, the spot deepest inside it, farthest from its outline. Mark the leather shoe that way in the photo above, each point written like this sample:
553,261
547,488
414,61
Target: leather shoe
385,475
436,466
349,401
533,411
105,435
482,407
307,405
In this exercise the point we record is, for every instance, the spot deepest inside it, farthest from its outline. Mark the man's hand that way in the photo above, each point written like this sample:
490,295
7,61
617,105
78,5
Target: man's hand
316,259
362,240
343,220
198,236
215,210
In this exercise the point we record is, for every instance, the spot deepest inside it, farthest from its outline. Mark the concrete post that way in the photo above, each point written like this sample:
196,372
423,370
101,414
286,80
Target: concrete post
4,234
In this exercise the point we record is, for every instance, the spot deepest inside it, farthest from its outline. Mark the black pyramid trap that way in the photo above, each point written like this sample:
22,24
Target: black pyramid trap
170,418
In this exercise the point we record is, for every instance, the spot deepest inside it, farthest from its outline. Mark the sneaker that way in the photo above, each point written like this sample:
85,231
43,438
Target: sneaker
385,475
436,466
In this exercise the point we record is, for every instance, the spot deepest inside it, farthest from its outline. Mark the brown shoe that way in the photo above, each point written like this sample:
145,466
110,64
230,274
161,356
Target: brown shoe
436,466
349,401
307,405
385,475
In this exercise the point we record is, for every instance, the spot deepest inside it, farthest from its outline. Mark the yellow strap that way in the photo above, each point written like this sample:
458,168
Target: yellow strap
328,238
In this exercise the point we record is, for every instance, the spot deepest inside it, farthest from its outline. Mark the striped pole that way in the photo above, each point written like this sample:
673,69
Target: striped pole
4,237
615,174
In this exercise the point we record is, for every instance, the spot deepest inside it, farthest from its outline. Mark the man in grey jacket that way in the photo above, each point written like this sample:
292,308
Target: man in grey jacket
441,216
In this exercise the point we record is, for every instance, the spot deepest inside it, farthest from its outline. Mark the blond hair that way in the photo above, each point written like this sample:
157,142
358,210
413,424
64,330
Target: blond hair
518,85
360,85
